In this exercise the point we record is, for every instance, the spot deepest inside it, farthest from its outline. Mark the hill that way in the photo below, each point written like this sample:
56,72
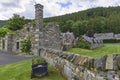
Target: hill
86,14
3,22
97,19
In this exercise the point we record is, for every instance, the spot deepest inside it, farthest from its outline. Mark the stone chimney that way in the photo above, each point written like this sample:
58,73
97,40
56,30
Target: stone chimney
39,16
38,26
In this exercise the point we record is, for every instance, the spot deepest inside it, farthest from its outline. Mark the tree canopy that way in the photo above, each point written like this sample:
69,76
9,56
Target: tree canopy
16,22
4,30
100,20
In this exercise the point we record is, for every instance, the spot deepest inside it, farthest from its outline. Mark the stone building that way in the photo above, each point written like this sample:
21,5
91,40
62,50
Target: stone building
47,37
94,42
68,40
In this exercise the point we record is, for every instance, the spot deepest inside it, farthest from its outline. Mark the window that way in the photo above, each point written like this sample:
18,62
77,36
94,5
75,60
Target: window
17,45
3,44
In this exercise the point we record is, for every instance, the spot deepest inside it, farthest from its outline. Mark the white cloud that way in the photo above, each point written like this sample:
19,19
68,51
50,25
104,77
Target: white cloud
51,7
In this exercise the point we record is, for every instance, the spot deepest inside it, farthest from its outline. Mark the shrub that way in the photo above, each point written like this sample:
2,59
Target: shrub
37,60
25,46
81,43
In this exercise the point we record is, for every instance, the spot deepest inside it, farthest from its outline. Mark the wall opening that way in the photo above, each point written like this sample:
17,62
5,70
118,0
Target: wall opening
17,45
3,44
39,52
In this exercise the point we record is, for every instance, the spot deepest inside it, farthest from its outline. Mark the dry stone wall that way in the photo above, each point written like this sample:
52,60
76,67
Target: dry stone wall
105,36
77,67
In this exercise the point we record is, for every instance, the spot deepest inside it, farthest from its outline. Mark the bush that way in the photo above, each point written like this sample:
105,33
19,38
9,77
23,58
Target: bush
25,46
111,41
38,60
81,43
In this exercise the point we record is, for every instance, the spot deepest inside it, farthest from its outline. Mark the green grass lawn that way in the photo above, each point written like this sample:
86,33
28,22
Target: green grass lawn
21,71
96,53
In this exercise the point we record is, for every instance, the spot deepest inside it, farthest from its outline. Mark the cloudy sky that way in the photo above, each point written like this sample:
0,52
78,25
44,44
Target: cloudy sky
51,7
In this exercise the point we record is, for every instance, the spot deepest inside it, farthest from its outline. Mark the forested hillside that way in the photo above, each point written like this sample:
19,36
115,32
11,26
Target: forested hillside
2,22
97,19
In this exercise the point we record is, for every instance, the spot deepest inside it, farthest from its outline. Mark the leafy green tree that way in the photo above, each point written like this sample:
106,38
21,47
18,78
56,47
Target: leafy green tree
68,25
4,30
76,28
80,28
16,22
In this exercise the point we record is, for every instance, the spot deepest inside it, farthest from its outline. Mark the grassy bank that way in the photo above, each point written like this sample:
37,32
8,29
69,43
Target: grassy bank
21,71
106,49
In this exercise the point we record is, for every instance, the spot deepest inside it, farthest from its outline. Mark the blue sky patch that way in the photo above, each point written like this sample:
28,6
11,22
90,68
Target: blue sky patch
63,5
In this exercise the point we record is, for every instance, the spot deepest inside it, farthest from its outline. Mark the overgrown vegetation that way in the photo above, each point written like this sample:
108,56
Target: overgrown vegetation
13,24
4,31
25,46
81,43
22,70
98,52
37,60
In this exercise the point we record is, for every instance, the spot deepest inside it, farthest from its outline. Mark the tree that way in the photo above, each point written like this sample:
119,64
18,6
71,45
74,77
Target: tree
68,25
80,27
4,31
16,22
76,28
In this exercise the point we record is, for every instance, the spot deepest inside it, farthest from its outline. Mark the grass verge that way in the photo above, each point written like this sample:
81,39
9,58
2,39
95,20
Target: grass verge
21,71
96,53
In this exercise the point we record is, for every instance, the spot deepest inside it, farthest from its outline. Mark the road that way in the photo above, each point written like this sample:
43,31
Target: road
7,57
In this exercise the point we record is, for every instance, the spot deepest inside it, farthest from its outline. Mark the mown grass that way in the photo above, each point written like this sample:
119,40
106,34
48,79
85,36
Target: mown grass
96,53
21,71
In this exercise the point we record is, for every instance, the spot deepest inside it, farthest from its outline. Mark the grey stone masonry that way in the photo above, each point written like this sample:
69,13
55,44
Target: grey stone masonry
105,36
94,42
48,36
77,67
39,16
8,42
38,25
68,40
51,37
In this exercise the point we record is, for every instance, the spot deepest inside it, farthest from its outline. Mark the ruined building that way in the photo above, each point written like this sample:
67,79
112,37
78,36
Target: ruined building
47,37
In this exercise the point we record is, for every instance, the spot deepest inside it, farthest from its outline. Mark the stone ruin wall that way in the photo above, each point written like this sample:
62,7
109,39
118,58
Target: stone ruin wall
105,36
77,67
94,42
27,31
33,32
11,40
51,37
